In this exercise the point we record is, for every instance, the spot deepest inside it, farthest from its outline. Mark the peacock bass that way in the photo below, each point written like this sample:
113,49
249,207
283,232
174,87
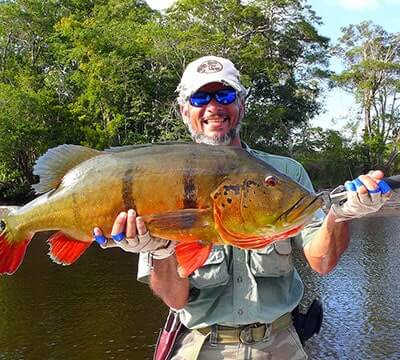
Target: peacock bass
197,195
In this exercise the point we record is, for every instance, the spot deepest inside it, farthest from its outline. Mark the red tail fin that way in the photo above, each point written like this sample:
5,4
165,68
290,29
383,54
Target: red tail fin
11,254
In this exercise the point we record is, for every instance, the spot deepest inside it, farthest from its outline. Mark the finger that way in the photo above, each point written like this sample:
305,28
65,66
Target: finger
352,197
98,236
141,226
366,198
376,198
145,238
350,186
384,187
359,185
118,229
365,184
131,224
97,231
376,175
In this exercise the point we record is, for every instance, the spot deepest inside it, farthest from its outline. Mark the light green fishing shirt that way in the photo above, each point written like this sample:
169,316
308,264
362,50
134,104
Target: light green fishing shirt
236,287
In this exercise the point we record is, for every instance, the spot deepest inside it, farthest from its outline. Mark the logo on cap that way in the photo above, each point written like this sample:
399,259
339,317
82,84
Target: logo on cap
210,66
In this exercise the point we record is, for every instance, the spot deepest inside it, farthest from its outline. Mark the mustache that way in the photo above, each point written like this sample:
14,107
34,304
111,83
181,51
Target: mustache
215,116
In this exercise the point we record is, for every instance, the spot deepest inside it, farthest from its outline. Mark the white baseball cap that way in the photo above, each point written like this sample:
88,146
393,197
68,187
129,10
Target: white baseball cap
205,70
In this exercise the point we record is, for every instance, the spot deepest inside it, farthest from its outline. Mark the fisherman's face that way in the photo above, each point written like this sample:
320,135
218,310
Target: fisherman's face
214,123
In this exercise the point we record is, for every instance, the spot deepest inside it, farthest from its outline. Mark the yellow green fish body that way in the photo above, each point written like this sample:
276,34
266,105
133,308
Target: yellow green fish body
191,193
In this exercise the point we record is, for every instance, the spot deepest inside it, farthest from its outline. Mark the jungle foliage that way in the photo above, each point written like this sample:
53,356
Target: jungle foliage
103,73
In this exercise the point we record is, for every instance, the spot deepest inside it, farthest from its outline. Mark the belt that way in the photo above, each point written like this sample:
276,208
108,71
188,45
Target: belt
246,334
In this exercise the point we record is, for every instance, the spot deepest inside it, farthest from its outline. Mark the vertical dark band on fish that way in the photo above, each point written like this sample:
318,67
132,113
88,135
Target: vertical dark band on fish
75,208
189,188
127,195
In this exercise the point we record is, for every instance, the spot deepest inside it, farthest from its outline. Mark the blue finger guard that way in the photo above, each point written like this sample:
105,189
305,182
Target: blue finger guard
118,237
384,187
357,183
100,239
349,186
375,191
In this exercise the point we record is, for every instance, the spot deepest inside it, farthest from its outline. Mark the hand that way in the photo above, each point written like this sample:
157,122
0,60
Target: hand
365,195
130,234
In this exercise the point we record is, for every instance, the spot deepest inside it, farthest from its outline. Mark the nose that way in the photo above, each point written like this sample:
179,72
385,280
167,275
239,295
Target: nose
213,106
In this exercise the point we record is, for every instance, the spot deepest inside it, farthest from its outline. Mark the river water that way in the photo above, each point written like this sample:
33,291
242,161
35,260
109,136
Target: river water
94,309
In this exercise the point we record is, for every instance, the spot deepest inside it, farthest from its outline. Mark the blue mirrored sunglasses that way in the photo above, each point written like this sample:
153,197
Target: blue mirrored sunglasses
223,97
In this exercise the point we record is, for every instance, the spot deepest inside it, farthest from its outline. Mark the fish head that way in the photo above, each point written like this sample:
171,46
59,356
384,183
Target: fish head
283,205
262,205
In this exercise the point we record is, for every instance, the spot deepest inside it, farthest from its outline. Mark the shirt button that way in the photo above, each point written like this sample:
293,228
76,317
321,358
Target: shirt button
240,312
239,279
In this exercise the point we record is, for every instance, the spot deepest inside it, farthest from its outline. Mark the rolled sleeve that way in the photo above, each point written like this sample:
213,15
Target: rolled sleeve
308,233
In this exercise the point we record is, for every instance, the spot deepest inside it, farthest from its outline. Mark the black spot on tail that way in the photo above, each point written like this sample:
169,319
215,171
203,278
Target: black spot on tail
127,195
2,225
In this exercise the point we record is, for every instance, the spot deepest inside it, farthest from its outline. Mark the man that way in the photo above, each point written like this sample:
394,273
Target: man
239,303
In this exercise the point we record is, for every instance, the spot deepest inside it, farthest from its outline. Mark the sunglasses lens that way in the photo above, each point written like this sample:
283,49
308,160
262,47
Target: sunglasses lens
200,99
226,96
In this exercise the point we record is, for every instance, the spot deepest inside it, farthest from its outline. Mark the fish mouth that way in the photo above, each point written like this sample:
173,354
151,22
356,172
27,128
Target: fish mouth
302,210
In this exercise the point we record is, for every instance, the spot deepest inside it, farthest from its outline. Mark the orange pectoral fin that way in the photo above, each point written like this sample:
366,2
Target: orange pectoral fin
65,250
11,254
191,256
186,225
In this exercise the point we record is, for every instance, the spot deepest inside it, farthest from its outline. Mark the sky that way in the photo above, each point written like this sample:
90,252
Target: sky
336,14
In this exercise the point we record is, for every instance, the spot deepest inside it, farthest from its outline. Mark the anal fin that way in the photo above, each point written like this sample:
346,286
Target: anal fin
191,256
66,250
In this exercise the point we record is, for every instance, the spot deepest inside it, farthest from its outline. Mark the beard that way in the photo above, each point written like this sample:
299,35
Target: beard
213,140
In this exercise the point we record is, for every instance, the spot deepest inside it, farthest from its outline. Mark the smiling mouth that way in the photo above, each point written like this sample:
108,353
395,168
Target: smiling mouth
215,121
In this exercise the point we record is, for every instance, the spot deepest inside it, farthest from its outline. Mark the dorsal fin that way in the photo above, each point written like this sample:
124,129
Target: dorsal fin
122,148
5,210
56,162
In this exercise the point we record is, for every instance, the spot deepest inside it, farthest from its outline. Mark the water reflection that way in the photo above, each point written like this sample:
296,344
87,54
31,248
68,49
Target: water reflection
361,296
95,309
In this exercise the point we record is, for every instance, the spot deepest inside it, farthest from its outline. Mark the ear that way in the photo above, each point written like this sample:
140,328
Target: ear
184,109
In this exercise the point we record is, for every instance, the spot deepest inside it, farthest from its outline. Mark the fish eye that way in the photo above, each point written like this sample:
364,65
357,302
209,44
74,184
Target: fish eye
271,180
2,225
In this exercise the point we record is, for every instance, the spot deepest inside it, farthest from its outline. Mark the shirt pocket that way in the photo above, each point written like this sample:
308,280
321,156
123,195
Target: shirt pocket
274,260
214,271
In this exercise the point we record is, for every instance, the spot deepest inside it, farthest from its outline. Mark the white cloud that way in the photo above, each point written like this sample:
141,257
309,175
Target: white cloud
160,4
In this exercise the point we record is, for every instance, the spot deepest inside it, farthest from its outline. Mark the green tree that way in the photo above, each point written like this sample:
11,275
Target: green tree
371,57
32,113
328,155
120,91
103,72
